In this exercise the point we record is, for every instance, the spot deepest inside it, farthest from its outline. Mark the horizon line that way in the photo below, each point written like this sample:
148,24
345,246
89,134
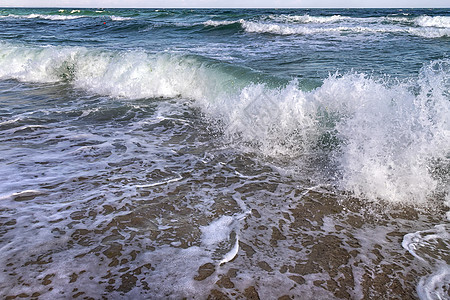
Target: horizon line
243,7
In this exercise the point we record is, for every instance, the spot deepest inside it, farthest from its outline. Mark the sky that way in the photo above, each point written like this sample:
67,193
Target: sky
224,3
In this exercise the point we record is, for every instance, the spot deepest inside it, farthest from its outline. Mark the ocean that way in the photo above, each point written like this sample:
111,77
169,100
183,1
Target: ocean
224,153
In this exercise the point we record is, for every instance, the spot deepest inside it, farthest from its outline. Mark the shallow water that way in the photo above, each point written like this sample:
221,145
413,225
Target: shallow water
210,154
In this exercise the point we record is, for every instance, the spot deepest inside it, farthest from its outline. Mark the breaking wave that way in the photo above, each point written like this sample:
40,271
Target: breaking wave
382,139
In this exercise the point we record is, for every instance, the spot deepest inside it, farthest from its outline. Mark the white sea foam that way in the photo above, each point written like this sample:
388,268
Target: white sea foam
430,32
117,18
159,182
281,29
396,19
50,17
431,248
65,17
436,21
218,231
435,286
218,234
218,23
387,137
422,21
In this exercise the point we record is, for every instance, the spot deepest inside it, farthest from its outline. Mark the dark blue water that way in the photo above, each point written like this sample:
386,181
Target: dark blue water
224,153
293,43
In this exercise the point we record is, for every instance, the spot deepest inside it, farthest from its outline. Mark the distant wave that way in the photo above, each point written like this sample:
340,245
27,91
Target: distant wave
281,18
421,21
64,17
308,19
49,17
304,29
287,29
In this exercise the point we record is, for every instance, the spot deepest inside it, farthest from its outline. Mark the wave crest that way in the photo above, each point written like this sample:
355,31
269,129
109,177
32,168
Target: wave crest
219,23
308,19
290,29
49,17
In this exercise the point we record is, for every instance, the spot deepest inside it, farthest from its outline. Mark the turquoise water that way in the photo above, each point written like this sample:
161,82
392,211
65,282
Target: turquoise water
171,153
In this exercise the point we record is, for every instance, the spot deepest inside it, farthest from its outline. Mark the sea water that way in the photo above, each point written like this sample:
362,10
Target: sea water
224,153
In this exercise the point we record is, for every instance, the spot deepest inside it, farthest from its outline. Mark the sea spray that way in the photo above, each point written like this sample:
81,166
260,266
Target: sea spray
383,137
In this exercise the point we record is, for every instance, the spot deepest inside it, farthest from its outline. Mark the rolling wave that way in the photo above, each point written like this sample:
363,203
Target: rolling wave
297,29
